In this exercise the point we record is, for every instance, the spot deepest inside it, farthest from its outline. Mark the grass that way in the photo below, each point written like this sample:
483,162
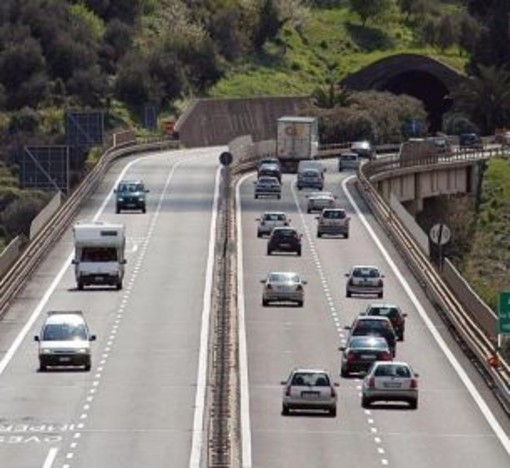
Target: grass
486,267
329,44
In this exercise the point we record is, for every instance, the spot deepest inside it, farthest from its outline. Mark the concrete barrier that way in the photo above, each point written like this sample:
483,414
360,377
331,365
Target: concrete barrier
9,255
45,214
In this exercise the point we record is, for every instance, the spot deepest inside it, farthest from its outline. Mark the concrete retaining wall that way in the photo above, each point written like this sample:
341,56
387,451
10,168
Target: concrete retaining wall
209,122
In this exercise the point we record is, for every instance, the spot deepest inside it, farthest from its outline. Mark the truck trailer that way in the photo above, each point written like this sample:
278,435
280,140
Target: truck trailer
99,254
297,138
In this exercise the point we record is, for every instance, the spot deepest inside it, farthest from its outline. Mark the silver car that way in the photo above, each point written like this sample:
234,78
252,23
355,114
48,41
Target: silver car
267,186
364,279
320,201
283,287
390,381
348,161
309,389
269,220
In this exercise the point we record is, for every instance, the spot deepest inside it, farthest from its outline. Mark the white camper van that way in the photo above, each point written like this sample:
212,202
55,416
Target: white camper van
99,254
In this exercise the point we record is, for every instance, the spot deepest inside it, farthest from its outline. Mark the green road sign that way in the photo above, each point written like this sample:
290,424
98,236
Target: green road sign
504,313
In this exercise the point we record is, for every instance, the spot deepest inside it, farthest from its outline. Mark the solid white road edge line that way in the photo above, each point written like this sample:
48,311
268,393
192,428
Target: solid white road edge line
489,416
52,453
198,420
243,354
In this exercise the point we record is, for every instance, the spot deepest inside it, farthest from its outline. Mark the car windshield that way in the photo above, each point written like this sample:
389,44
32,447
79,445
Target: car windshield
284,278
130,188
99,254
365,272
392,370
274,217
370,325
64,332
333,214
357,342
314,379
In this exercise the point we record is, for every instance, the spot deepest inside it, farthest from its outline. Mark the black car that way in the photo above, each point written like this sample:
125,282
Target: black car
130,195
361,352
374,326
393,312
470,140
284,239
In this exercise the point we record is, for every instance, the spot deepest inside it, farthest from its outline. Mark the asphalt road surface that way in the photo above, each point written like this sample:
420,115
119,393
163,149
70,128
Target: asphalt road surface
143,401
457,424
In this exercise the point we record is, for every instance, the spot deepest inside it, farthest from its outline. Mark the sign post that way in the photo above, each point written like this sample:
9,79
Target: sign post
440,234
504,315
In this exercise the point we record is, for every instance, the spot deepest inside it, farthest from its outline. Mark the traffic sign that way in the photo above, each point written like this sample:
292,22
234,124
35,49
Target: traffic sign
440,234
504,313
226,158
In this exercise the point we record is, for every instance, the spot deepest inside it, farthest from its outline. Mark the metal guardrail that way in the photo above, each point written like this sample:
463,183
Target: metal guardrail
469,334
17,276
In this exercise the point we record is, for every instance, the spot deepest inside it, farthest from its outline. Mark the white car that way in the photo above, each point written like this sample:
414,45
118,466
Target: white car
390,381
269,220
319,202
283,287
268,187
364,279
309,389
64,340
333,222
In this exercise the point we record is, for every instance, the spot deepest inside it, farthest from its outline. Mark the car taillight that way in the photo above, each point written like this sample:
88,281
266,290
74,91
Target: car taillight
414,383
299,287
287,390
371,382
385,356
350,356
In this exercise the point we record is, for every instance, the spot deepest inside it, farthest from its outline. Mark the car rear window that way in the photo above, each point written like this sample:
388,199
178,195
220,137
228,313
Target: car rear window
283,278
274,217
284,233
365,273
311,378
390,312
392,370
367,342
333,214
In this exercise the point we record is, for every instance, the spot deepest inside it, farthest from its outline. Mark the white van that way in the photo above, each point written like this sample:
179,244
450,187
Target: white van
348,161
99,254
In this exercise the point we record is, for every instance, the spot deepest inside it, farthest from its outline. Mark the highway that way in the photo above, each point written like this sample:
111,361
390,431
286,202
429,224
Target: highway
457,423
142,405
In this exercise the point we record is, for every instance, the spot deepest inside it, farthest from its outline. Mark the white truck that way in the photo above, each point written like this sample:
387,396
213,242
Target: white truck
99,254
297,138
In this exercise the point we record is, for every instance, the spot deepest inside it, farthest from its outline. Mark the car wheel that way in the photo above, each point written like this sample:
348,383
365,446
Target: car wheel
256,196
80,285
269,252
278,197
308,210
285,410
413,404
117,210
143,210
265,303
365,402
339,169
42,367
348,293
346,235
380,295
118,286
319,234
300,303
87,367
332,412
299,253
344,372
259,234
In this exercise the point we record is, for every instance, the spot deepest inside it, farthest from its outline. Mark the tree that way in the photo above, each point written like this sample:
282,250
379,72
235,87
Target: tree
447,33
485,98
368,9
268,26
416,8
468,33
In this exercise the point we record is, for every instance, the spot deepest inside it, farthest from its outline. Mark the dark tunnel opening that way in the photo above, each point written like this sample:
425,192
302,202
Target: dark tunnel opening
426,87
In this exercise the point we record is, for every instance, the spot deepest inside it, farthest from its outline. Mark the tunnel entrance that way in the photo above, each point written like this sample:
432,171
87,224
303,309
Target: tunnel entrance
416,75
425,87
